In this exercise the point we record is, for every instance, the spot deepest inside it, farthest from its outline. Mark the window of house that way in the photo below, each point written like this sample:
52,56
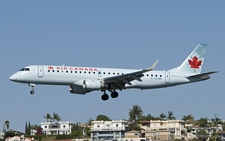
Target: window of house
116,125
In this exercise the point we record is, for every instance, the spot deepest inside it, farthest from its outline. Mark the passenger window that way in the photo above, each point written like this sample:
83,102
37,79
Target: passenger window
94,72
57,70
155,75
118,73
75,71
103,72
80,71
147,74
160,75
151,75
85,72
89,72
71,71
48,70
66,71
53,71
109,73
113,73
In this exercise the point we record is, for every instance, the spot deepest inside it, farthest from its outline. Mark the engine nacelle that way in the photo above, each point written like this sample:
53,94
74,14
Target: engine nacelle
92,84
78,90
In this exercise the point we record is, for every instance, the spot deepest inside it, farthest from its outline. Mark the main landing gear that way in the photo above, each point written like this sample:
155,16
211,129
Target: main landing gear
105,97
32,91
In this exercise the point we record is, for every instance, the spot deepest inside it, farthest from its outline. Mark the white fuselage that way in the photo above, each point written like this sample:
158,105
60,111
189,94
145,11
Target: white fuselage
67,75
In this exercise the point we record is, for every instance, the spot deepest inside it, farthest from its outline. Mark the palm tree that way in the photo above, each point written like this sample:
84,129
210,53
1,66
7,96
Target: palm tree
135,113
6,126
56,117
170,116
187,118
162,116
215,121
48,116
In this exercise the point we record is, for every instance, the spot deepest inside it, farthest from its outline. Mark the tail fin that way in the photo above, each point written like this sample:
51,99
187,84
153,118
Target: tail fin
194,62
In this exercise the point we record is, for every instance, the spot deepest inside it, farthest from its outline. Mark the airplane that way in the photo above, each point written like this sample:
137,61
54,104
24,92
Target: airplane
82,80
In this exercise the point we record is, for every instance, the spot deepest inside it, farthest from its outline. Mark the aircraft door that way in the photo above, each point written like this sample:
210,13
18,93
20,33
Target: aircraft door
40,71
167,77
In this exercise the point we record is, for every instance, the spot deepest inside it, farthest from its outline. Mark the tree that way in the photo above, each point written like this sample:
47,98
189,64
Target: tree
135,113
187,118
133,126
162,116
202,135
6,126
170,116
89,122
102,117
47,117
203,122
215,121
76,131
56,117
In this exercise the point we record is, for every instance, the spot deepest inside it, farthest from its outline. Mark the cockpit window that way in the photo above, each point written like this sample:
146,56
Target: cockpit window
22,69
25,69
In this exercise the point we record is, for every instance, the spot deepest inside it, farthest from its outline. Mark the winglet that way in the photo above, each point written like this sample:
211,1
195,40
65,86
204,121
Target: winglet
153,66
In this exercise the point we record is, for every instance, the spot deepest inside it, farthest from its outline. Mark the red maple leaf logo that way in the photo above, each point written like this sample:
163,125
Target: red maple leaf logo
195,63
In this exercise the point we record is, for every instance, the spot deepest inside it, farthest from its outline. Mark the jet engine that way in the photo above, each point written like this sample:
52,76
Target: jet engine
92,84
78,90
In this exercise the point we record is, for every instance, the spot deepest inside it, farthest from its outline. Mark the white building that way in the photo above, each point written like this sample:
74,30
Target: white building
108,130
19,138
56,128
173,127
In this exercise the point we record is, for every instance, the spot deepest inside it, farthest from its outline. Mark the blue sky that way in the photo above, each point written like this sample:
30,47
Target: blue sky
121,34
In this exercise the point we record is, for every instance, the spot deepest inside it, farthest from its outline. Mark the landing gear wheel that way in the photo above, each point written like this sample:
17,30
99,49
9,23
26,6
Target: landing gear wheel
105,97
32,92
114,94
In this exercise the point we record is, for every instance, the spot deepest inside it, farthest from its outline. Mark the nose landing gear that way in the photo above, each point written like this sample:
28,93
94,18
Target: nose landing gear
32,91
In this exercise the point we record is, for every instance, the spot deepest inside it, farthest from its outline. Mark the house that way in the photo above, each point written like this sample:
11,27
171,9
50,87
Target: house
19,138
108,130
56,128
222,135
163,130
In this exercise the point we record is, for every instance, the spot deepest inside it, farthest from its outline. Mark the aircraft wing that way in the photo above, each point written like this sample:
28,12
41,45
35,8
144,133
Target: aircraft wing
121,80
202,74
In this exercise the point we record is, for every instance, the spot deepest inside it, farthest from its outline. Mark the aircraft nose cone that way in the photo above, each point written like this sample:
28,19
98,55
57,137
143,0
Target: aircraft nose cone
13,77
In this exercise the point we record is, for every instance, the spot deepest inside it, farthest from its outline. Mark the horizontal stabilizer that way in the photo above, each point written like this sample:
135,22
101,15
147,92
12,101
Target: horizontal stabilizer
202,74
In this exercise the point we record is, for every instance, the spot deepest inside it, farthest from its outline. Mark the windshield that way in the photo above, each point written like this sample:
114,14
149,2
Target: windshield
24,69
